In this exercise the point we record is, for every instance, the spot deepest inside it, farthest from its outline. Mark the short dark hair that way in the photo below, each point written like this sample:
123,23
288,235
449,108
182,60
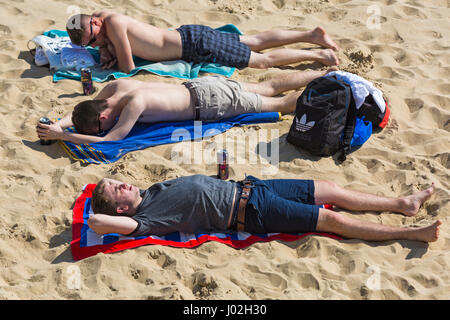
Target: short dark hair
100,203
76,27
85,115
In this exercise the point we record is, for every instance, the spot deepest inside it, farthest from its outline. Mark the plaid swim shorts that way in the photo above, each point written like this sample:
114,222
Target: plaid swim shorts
204,44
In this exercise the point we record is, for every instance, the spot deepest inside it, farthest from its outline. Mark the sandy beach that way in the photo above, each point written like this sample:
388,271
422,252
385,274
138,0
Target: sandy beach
405,53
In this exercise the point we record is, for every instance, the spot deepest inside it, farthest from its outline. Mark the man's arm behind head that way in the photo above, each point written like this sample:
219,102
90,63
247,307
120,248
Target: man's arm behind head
110,222
103,223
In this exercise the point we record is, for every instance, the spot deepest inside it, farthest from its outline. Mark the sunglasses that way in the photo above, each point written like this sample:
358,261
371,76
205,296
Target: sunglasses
93,39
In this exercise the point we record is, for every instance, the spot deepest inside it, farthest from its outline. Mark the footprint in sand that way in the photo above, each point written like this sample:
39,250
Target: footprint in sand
279,3
441,120
414,104
308,281
388,73
440,101
413,12
4,30
337,15
405,286
14,11
443,158
162,258
343,258
45,24
407,74
8,45
139,273
426,280
400,57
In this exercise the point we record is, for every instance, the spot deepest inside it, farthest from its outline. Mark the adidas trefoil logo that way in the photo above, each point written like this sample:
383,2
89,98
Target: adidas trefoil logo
302,125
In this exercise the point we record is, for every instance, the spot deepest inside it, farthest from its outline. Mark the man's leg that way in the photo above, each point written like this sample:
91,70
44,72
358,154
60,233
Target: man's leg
285,104
276,38
328,192
285,82
280,57
330,221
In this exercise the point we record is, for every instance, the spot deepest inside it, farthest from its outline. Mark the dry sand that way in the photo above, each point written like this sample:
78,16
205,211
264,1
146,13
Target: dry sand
408,58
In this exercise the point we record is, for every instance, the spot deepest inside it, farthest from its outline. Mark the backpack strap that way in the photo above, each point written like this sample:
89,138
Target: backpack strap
348,130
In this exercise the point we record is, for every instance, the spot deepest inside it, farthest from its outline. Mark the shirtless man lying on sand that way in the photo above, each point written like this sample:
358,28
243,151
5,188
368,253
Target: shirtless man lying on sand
278,205
122,103
120,37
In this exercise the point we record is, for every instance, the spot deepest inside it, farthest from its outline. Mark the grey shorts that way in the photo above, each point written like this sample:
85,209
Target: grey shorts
216,98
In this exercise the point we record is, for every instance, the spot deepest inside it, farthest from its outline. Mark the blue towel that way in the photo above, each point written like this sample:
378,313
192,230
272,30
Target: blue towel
147,135
176,68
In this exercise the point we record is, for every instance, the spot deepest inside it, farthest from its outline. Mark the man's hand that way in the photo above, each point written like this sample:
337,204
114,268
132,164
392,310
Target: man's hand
49,132
109,64
57,130
107,59
105,55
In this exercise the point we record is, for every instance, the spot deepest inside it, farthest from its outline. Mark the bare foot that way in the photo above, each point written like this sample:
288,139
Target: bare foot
327,57
412,203
427,234
320,37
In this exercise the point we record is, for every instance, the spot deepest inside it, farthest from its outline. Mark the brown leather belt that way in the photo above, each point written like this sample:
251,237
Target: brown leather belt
246,187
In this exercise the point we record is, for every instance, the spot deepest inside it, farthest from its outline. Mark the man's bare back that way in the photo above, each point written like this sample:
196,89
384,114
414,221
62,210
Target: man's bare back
132,37
159,101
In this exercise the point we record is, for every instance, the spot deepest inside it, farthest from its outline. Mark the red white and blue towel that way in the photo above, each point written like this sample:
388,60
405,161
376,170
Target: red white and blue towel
86,243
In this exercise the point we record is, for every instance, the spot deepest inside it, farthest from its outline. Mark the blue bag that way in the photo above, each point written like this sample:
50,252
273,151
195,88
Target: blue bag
363,131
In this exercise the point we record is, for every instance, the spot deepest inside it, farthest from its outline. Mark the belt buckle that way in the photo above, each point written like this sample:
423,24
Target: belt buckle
245,194
247,184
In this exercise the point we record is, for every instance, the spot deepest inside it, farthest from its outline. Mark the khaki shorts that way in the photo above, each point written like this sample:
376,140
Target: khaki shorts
215,98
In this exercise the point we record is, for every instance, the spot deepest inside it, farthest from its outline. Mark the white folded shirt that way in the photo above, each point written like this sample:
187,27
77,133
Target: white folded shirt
361,88
61,53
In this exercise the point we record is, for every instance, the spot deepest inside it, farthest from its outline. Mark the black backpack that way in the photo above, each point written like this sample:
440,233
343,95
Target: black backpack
325,118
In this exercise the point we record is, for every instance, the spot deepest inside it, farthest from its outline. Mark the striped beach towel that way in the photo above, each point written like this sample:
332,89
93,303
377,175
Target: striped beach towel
144,135
85,242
